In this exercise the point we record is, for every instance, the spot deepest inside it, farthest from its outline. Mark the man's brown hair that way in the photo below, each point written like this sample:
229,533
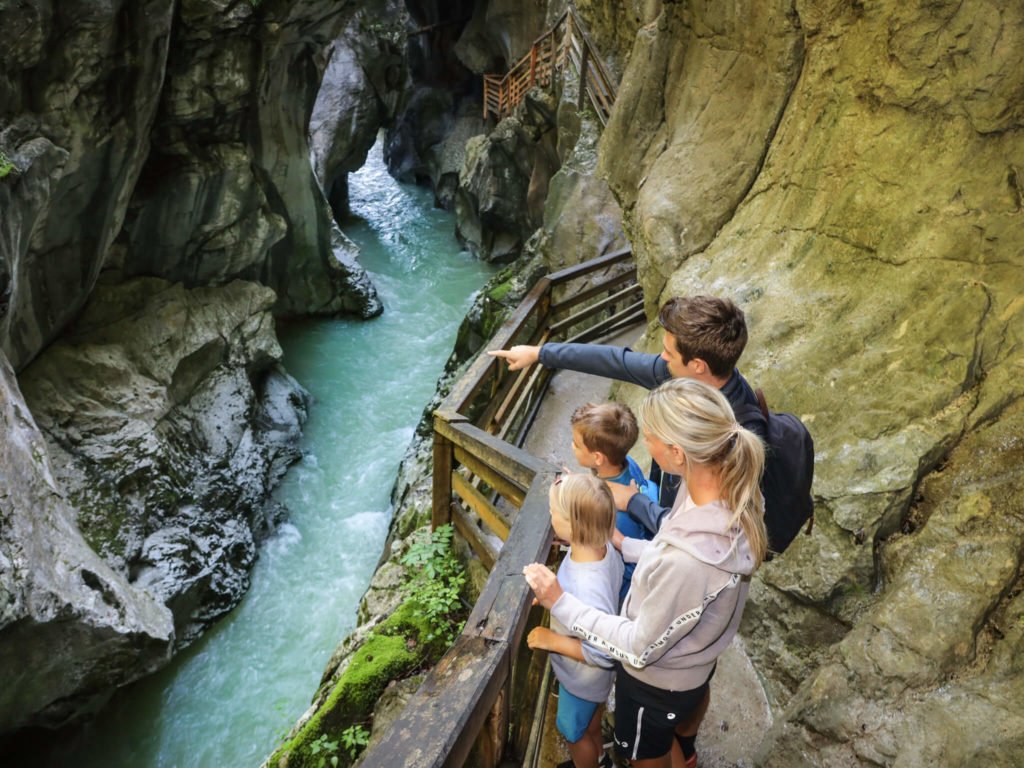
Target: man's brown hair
609,428
708,328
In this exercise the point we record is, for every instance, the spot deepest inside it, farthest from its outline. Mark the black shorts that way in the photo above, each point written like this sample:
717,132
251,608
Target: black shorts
646,717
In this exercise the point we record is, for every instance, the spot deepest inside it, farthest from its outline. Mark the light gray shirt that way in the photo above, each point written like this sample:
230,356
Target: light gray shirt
595,584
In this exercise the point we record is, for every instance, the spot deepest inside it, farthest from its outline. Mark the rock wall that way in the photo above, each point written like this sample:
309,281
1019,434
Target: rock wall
848,173
440,105
167,421
166,139
57,595
151,154
358,95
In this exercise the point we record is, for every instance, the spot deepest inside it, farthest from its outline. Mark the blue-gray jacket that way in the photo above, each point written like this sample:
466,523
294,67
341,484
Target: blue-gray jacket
648,371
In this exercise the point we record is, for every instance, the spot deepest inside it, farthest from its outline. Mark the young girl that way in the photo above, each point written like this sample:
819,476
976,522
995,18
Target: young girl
690,582
582,513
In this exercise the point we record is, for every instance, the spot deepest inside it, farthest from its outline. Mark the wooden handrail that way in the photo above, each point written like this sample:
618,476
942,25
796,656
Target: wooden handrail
467,693
547,56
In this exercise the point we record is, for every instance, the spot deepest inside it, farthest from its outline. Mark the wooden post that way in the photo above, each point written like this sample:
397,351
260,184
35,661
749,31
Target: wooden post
533,65
584,56
441,511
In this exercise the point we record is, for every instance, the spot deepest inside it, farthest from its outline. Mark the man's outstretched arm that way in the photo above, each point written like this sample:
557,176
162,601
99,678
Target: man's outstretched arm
619,363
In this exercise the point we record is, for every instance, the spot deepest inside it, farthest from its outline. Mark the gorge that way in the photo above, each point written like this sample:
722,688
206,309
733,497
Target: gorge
847,172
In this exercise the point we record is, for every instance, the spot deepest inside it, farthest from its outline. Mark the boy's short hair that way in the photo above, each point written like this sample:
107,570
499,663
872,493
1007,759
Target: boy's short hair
587,503
609,428
706,327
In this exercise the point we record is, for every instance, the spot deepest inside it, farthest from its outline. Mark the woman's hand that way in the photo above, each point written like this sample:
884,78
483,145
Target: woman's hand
617,539
623,493
543,583
540,637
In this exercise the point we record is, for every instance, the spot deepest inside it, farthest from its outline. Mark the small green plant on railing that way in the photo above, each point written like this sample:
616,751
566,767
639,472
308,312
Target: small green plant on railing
6,166
435,588
326,749
354,739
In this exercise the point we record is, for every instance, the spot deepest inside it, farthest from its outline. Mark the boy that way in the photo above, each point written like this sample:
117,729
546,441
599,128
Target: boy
704,338
601,438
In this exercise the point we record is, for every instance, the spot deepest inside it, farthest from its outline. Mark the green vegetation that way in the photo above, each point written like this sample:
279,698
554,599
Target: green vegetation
6,166
324,749
413,637
435,591
354,739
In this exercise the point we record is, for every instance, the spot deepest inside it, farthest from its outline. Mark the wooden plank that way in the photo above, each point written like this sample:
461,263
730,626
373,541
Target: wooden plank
593,309
492,518
461,392
584,60
586,267
625,317
496,613
441,498
522,402
441,721
514,463
468,529
507,488
581,296
524,428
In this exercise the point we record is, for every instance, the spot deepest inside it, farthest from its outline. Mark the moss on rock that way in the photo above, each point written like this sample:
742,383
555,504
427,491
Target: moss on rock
395,649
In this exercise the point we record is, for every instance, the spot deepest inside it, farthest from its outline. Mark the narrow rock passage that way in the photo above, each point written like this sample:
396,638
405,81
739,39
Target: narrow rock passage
229,699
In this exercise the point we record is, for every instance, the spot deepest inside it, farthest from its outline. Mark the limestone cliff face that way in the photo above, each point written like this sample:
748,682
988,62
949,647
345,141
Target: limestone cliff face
151,154
849,174
185,160
167,419
440,105
359,93
55,592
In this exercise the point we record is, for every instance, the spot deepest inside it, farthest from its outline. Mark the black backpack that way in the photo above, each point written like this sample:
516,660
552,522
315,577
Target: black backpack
788,472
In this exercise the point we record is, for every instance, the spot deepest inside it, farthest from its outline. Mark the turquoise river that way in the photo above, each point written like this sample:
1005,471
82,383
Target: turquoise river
228,699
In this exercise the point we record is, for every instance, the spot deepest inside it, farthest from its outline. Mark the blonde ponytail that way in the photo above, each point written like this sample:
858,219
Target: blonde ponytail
698,419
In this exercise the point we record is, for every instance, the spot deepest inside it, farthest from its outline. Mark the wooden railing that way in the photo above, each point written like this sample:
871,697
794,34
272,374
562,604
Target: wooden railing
482,694
567,42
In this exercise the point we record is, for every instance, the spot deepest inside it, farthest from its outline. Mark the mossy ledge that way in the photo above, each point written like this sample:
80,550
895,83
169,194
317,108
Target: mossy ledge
394,649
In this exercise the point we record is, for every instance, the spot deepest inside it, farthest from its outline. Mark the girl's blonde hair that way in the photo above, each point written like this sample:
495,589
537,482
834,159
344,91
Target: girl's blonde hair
698,419
588,505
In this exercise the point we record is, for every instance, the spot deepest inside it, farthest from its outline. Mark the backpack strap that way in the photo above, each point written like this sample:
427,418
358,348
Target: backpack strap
759,394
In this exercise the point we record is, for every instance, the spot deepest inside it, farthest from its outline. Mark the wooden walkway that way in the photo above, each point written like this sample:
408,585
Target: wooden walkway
482,697
565,44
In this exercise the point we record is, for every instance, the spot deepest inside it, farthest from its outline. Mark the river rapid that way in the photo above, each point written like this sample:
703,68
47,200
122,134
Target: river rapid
230,698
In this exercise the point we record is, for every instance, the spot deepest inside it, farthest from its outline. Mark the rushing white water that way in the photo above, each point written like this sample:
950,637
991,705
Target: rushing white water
229,699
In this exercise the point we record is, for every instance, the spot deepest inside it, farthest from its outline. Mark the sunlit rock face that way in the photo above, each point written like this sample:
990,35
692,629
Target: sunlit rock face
358,95
849,175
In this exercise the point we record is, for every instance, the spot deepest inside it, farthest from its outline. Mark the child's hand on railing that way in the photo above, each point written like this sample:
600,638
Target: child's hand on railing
518,357
543,583
540,638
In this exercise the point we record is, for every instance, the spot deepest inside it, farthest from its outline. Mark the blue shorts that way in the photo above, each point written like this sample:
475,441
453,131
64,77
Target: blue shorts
574,715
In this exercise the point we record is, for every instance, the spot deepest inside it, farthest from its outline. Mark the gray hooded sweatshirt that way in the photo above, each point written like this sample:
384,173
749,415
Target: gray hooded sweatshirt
685,601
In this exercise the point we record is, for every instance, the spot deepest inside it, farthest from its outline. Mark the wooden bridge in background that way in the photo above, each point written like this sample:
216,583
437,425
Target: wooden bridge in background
566,43
483,697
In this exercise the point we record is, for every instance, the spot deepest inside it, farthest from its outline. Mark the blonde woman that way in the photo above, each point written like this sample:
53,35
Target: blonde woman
690,582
